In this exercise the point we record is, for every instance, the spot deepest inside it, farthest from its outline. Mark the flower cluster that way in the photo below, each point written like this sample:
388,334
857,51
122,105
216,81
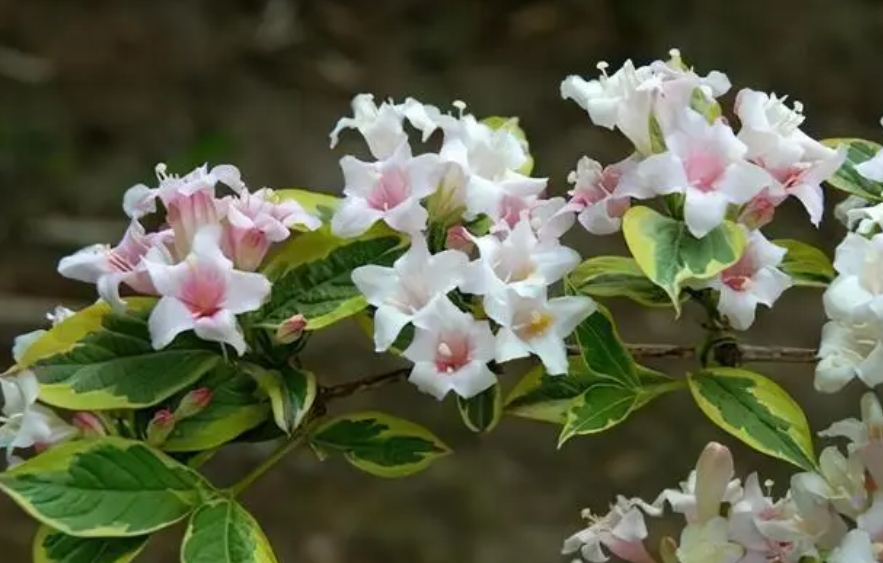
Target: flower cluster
832,514
689,153
852,339
202,261
477,192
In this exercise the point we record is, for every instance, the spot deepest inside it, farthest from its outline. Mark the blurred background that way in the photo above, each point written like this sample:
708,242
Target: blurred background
94,93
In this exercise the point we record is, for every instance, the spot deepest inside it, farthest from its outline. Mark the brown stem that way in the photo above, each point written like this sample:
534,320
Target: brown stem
749,353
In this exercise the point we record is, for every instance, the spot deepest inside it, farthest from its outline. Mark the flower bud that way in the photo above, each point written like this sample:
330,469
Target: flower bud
89,424
759,211
291,329
193,402
714,471
160,427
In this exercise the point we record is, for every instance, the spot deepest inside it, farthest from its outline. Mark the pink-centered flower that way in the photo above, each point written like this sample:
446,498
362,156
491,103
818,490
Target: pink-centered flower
389,190
204,293
123,264
254,221
621,532
450,352
140,200
706,163
594,197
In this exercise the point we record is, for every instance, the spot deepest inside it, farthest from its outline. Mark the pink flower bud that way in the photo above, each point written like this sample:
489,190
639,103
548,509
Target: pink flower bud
759,211
193,402
458,239
160,427
89,424
291,329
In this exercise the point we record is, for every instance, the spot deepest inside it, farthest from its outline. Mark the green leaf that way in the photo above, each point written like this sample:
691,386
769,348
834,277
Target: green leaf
806,264
755,410
670,256
235,407
116,367
312,275
51,546
510,124
106,487
616,276
603,351
599,408
379,444
318,204
66,334
292,393
482,412
547,398
657,139
847,178
221,531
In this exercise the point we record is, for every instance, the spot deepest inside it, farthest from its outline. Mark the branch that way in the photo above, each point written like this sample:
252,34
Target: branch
749,353
366,384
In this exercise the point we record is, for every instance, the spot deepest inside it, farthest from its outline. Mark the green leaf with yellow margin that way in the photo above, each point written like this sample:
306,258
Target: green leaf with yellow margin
847,178
292,392
616,276
318,204
807,265
236,406
106,487
547,398
603,351
755,410
482,412
312,275
670,256
599,408
66,334
52,546
379,444
116,366
222,531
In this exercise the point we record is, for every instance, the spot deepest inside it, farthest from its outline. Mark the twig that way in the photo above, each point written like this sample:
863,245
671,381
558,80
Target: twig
366,384
749,353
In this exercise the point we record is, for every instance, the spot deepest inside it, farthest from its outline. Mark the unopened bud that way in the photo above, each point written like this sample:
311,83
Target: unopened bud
160,427
291,329
714,470
193,403
89,425
458,238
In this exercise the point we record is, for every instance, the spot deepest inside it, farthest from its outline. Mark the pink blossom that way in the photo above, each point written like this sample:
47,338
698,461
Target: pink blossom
594,197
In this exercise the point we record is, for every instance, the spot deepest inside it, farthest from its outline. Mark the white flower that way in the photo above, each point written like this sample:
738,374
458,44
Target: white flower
175,191
381,126
549,218
405,291
856,548
257,220
872,169
25,423
534,325
109,267
753,280
706,163
865,435
451,353
871,521
855,210
797,163
594,194
629,97
857,293
388,190
204,293
848,350
621,531
23,342
708,542
521,262
840,481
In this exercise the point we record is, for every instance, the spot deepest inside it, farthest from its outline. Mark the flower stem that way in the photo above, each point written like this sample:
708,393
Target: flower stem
295,440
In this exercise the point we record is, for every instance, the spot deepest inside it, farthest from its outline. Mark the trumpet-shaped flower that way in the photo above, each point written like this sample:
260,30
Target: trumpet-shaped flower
840,481
410,288
522,262
256,221
204,293
857,293
754,279
594,196
855,548
848,350
709,542
25,423
388,190
621,532
176,191
450,352
865,436
706,163
535,325
109,267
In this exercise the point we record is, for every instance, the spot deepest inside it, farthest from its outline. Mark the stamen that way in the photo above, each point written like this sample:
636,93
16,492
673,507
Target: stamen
460,105
603,66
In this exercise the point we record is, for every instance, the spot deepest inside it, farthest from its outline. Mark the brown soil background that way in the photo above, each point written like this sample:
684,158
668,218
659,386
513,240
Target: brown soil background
94,93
